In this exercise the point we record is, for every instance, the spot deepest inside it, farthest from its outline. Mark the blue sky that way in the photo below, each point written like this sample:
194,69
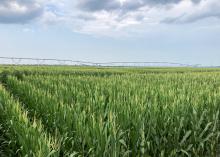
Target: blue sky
186,31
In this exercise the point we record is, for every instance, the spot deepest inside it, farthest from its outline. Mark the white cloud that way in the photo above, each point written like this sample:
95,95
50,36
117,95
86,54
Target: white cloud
188,12
19,11
122,16
104,17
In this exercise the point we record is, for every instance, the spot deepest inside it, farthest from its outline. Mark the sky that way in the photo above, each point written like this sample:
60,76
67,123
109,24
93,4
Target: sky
183,31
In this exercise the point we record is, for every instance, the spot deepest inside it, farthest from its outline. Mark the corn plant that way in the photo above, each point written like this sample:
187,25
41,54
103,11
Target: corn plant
123,112
26,138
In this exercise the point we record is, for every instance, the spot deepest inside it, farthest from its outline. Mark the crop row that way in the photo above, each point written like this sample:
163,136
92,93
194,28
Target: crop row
20,136
126,115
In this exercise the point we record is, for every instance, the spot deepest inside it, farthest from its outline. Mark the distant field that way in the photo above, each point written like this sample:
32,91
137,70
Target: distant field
109,112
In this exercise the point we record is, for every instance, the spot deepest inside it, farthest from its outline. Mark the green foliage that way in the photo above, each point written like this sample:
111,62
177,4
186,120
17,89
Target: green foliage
26,138
3,76
116,112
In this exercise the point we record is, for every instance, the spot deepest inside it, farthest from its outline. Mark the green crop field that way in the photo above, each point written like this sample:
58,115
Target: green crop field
109,112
